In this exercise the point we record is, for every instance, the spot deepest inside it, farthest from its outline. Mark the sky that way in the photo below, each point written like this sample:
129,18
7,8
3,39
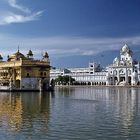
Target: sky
73,32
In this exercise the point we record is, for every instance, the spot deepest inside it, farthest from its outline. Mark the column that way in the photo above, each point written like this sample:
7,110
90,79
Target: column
126,76
118,76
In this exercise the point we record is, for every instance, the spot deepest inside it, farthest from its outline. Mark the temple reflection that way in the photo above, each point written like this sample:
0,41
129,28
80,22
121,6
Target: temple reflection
30,112
10,111
118,102
24,111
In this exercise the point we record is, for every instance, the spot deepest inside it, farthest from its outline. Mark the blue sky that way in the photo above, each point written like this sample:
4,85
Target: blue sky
73,32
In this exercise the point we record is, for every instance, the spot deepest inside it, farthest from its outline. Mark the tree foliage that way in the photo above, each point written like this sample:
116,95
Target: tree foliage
64,80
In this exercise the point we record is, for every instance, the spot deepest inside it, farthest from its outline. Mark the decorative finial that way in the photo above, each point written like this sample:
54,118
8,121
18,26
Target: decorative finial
18,48
30,53
125,45
42,53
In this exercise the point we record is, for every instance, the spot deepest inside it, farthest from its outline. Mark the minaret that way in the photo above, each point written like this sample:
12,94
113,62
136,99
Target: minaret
30,54
18,48
46,57
1,58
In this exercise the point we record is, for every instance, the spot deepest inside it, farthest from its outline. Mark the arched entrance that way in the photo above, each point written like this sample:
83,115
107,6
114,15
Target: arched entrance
115,80
17,83
122,79
129,80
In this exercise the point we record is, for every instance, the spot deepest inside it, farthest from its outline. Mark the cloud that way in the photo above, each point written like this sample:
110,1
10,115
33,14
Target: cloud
9,17
13,3
14,18
65,46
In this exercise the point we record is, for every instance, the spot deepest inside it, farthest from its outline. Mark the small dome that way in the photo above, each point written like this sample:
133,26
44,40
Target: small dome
30,53
126,49
134,73
116,59
1,57
46,55
16,56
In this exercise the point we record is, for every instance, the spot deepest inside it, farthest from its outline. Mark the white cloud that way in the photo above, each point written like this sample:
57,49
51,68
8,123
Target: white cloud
13,3
14,18
9,17
65,46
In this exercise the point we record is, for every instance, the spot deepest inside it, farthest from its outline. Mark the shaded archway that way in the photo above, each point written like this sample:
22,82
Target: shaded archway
122,79
17,83
129,80
115,80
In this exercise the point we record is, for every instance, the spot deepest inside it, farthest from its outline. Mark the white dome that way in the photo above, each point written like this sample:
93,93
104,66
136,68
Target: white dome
134,74
126,49
116,59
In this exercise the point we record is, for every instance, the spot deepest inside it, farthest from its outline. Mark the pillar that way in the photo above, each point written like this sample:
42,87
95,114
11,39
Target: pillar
126,76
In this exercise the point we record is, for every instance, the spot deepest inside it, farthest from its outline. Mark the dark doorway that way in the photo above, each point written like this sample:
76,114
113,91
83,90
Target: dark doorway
115,80
17,83
129,80
122,79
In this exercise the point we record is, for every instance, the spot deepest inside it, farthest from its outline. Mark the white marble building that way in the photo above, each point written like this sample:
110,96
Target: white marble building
124,71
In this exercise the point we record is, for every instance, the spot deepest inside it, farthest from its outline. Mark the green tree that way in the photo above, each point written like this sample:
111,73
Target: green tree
64,80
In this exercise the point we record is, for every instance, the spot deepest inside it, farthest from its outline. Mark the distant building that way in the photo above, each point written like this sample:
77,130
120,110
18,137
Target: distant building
22,72
124,71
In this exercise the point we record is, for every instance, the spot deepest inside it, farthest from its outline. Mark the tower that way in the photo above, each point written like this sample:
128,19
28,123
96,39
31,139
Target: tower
1,58
30,54
46,57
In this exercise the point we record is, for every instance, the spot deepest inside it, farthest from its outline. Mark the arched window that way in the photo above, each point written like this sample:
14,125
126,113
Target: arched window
41,73
28,75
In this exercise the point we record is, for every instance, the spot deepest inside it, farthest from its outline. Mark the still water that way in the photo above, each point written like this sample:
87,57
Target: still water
71,114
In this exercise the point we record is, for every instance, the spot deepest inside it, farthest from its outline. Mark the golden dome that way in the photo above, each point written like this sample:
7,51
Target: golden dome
16,56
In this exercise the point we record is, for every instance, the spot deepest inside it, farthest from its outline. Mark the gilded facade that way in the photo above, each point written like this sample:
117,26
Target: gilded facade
22,72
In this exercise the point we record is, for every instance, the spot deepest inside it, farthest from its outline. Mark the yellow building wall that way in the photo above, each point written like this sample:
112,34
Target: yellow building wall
18,74
17,70
34,72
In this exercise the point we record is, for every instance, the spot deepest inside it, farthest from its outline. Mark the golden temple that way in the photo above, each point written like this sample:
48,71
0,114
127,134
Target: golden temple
22,72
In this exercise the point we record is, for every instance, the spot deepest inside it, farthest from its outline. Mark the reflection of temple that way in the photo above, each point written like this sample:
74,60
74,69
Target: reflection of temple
24,111
10,111
127,104
120,104
22,72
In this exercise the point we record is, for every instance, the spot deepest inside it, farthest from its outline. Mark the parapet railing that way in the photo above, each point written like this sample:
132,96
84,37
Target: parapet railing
21,62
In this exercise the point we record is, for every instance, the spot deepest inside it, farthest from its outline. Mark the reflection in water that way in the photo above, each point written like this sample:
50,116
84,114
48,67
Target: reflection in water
35,113
10,111
71,113
24,111
109,106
